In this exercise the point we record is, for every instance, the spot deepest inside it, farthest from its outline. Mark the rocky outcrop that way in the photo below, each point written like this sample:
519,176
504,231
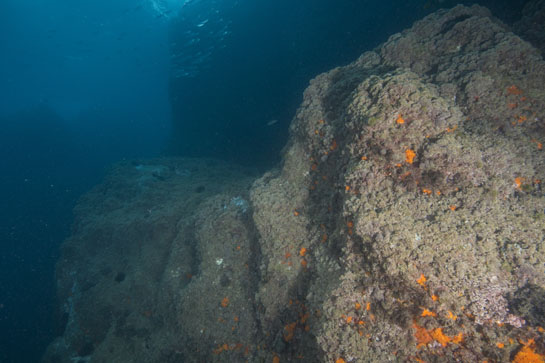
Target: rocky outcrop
428,150
160,251
423,172
406,222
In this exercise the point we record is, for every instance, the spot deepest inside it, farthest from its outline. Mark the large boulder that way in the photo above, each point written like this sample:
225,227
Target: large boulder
413,177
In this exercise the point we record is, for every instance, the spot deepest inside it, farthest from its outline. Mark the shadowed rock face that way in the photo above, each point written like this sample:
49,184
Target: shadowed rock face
531,26
406,219
157,250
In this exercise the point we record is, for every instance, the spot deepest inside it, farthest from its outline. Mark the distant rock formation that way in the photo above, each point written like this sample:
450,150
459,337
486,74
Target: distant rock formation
406,222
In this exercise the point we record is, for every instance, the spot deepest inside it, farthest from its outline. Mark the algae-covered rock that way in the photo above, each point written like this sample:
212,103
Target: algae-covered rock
428,152
423,172
158,266
405,223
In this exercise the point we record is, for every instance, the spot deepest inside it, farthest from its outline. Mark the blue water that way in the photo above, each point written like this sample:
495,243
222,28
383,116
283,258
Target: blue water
86,83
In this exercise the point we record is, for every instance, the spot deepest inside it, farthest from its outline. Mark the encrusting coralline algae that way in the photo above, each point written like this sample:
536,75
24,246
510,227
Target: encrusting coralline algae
406,223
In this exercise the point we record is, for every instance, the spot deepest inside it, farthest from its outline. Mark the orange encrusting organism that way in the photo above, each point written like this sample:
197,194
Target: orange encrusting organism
404,175
451,316
427,312
528,355
357,306
226,347
443,339
421,335
409,156
290,331
539,145
424,336
514,90
221,348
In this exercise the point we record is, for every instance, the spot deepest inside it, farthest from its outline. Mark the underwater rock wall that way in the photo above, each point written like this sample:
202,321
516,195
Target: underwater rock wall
159,251
406,222
424,168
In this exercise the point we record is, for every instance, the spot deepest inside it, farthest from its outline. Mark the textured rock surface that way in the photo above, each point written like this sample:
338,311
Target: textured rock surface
428,152
160,251
407,221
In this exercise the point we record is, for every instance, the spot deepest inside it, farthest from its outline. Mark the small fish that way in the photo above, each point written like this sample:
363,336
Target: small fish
203,23
272,122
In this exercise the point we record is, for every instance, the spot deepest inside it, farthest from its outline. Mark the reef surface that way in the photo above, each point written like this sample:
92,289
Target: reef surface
406,222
